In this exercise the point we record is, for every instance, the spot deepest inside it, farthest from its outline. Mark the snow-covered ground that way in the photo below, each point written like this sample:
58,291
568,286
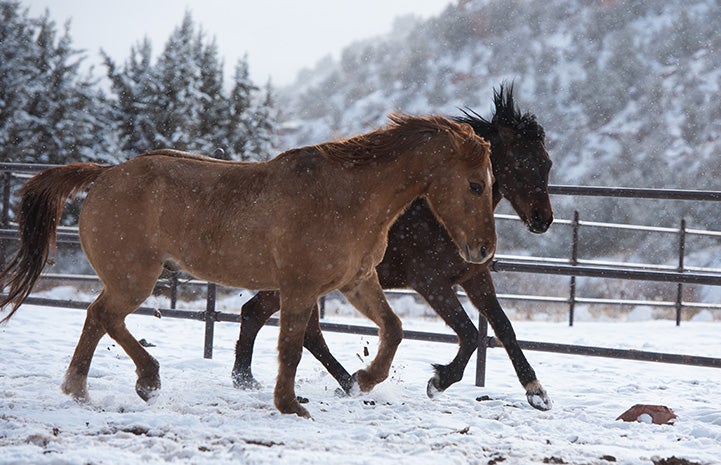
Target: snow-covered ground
199,418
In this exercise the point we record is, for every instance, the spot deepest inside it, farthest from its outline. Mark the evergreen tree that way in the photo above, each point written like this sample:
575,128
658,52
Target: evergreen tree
213,105
239,125
179,102
16,71
263,141
178,74
135,92
48,111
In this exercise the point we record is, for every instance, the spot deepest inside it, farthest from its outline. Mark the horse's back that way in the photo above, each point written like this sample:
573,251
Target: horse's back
188,210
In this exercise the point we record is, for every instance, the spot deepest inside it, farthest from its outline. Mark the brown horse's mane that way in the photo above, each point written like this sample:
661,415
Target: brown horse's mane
403,134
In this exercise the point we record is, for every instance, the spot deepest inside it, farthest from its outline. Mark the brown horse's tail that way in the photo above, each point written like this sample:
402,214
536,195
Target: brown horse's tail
43,199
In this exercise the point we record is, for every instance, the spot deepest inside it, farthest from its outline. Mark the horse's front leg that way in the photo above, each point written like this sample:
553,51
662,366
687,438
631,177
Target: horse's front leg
367,296
294,313
443,299
482,294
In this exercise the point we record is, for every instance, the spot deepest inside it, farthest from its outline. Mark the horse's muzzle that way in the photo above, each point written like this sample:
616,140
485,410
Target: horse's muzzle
539,222
478,255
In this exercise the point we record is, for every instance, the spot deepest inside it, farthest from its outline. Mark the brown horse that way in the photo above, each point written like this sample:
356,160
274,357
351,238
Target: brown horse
421,255
307,222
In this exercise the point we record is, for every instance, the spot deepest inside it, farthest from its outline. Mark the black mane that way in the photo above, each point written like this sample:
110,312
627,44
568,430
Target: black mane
506,114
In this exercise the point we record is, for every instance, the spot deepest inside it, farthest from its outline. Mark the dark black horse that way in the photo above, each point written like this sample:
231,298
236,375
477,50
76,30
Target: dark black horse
421,256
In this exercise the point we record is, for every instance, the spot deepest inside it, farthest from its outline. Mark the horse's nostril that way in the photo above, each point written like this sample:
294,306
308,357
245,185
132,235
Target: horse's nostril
536,216
484,251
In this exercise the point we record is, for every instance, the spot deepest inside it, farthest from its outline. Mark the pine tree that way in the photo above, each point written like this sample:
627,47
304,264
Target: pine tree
49,111
263,141
239,124
178,74
213,105
16,71
178,102
135,90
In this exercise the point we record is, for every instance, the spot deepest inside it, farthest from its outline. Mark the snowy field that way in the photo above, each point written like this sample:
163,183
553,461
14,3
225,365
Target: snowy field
199,418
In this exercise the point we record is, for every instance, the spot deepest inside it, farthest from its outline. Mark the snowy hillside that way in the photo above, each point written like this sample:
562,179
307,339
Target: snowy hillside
626,90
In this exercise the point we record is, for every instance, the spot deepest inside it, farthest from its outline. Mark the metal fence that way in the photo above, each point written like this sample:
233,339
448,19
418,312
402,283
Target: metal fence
572,267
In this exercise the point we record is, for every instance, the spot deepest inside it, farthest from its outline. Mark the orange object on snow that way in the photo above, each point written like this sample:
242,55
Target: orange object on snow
656,414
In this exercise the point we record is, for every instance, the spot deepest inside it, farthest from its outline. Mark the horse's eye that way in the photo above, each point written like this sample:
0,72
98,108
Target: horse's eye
476,187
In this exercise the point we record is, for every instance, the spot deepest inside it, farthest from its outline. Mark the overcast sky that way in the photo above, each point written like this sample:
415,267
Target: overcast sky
280,37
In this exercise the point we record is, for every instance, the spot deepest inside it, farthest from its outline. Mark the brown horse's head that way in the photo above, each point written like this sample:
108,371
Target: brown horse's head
520,162
461,196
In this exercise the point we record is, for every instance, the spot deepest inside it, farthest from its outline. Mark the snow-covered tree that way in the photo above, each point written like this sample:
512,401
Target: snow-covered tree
134,87
49,112
179,101
238,124
263,140
213,104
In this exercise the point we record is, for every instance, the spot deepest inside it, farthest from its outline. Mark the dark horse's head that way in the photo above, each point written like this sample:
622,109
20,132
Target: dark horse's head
520,161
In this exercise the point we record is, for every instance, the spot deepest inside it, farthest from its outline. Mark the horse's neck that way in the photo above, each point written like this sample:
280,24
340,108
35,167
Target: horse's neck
398,183
497,196
497,159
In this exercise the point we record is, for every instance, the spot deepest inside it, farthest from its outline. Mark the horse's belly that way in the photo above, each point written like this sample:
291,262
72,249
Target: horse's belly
242,268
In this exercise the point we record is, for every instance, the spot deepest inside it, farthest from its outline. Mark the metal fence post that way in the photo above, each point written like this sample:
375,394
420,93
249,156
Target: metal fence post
5,218
210,318
574,261
173,290
681,251
482,350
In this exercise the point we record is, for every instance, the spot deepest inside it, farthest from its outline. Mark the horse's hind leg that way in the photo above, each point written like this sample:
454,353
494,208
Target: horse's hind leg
444,301
482,294
107,315
146,367
253,316
75,383
367,296
121,296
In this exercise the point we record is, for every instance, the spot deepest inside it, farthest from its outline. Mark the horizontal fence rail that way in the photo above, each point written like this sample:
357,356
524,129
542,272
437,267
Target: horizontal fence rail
573,267
488,341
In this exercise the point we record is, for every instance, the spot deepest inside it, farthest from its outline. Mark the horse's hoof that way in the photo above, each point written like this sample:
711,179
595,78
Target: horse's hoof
432,389
303,413
340,393
346,385
78,395
361,383
293,407
537,396
76,390
246,383
147,391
